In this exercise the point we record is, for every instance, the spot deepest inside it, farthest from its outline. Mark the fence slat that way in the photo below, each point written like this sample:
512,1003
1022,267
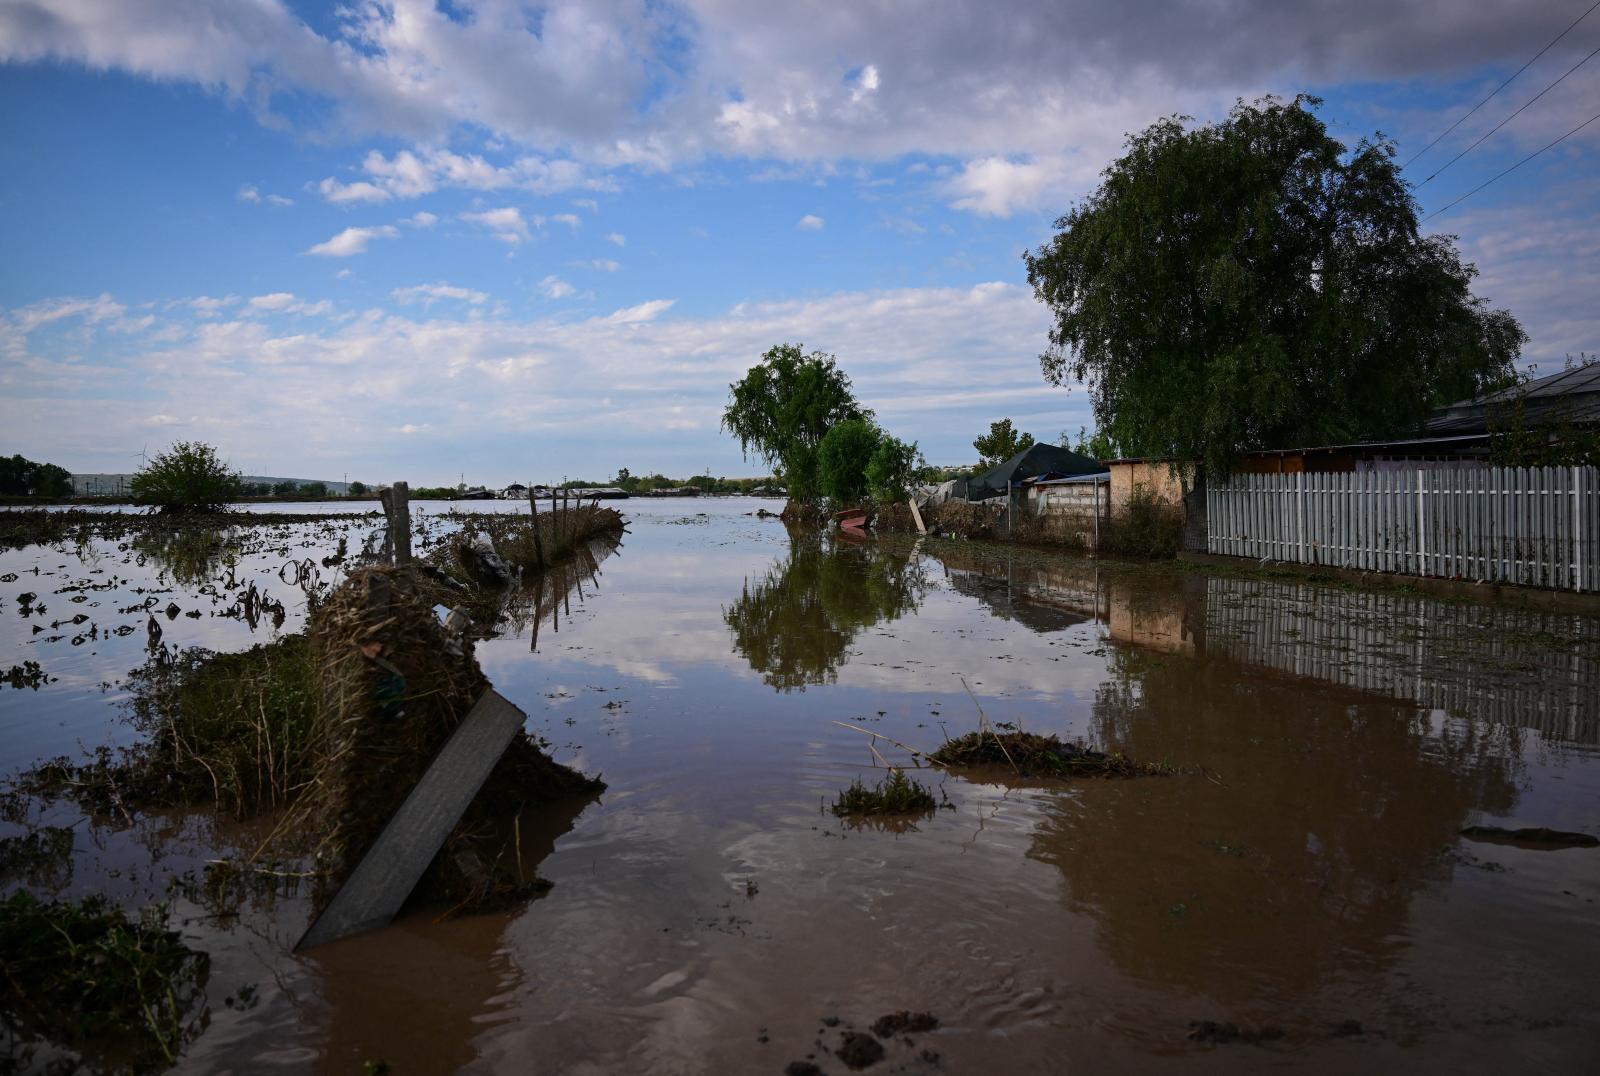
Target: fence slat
1526,525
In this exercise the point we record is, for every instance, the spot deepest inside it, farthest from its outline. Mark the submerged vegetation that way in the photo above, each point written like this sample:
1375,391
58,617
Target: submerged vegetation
896,794
1031,755
84,975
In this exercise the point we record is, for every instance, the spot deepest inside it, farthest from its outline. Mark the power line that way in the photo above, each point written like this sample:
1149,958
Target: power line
1502,85
1513,168
1514,115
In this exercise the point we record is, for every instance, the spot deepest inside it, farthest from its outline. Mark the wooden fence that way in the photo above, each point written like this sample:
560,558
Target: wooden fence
1536,526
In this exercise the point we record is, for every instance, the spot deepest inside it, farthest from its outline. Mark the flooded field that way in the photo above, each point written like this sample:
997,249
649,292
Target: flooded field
1298,896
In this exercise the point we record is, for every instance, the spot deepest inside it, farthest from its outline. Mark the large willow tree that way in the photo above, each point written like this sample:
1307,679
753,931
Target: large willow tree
783,408
1254,284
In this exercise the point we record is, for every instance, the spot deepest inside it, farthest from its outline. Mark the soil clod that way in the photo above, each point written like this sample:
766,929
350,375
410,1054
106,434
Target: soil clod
859,1050
902,1022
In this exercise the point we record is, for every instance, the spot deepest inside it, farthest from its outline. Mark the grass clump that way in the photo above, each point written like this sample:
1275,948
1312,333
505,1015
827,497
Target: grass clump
84,975
229,729
1032,755
896,794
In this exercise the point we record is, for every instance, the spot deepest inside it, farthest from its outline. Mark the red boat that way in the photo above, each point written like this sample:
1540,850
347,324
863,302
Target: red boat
852,519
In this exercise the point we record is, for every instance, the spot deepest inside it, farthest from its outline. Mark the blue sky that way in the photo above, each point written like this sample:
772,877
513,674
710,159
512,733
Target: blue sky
407,240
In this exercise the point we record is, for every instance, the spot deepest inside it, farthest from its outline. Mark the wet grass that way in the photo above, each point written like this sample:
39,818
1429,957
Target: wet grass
226,729
896,794
1032,755
85,976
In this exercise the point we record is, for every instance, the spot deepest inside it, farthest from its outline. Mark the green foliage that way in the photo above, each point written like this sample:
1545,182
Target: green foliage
1252,284
893,469
85,974
895,794
358,489
285,488
1097,446
21,477
784,407
313,489
1000,444
842,461
1146,526
188,477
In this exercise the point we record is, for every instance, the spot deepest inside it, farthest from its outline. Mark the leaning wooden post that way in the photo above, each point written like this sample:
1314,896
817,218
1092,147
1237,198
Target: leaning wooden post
397,506
538,539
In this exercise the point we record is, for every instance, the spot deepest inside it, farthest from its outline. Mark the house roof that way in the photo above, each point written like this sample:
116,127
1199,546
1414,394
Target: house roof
1033,462
1568,396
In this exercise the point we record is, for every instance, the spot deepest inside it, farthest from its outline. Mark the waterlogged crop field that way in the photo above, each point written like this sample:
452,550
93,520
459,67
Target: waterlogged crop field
1278,877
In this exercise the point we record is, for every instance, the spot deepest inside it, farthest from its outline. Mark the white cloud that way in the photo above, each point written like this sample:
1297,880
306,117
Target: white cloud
605,265
571,220
554,287
505,224
997,187
158,421
810,223
428,294
649,311
92,311
421,219
618,239
353,241
253,195
587,203
351,193
283,302
343,274
332,387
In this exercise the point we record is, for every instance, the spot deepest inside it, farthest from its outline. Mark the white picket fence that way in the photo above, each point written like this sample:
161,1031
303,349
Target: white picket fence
1536,526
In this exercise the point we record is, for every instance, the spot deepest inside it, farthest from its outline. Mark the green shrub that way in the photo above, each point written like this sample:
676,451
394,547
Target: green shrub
842,461
1146,526
188,477
895,794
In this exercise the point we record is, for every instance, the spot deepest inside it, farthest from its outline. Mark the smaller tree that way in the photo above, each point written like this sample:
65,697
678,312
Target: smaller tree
1001,443
893,469
188,477
285,488
842,460
314,489
358,489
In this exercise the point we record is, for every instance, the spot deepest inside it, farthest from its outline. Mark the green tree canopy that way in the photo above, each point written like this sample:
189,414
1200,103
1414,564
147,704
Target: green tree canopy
893,469
1253,283
842,460
22,477
784,407
1000,443
188,477
357,489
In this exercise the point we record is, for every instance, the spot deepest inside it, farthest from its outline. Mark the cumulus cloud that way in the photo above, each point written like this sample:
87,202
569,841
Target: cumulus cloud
618,239
505,224
428,294
553,287
810,223
605,265
421,219
353,241
571,220
910,351
351,193
997,187
631,83
283,302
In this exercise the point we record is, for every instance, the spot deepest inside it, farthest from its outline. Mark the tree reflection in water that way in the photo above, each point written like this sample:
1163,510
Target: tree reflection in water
795,625
1335,809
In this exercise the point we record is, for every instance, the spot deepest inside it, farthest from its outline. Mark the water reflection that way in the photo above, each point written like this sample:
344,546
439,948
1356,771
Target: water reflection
381,1008
1494,664
184,557
1330,808
795,625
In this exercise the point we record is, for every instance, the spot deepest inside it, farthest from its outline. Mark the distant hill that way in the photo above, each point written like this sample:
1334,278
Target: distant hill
104,485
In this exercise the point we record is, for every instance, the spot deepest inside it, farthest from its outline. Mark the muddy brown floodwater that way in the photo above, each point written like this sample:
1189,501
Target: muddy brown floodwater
1307,902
